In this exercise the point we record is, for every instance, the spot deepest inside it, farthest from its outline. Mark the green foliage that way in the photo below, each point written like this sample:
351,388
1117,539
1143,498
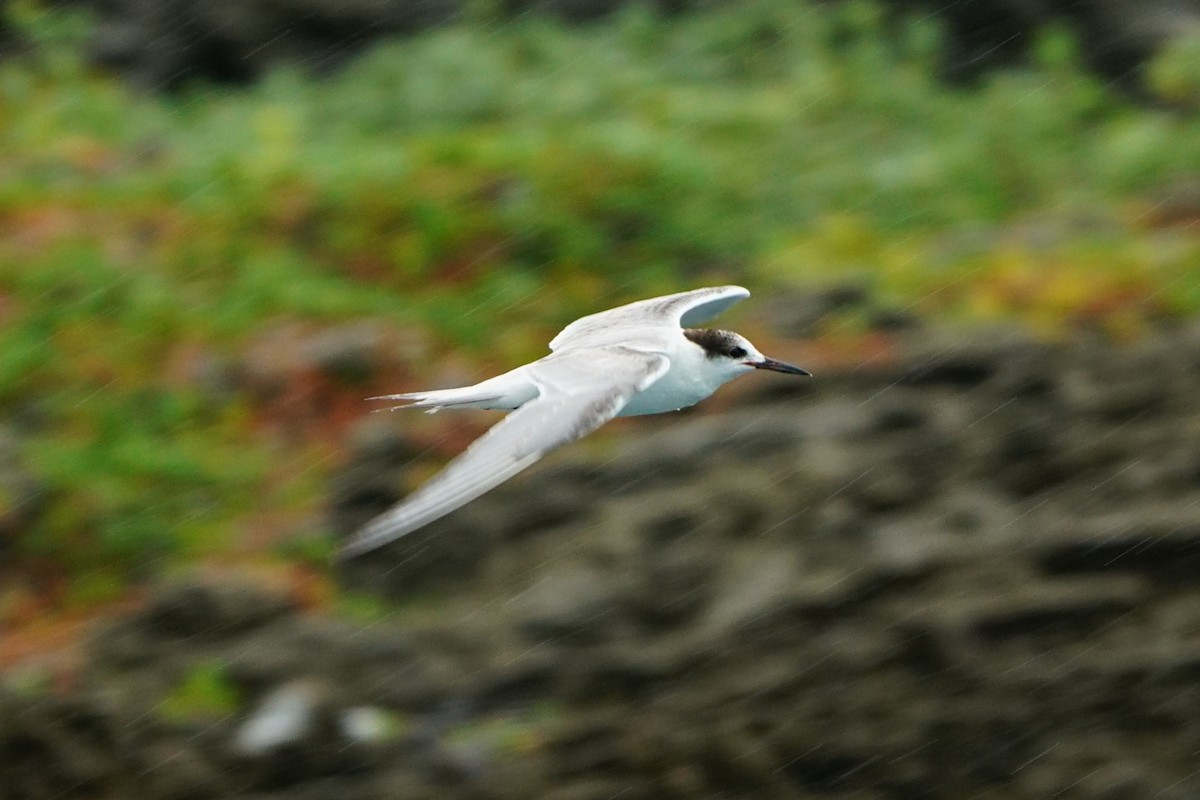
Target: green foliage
136,474
205,691
369,608
29,682
364,608
314,550
1174,74
477,178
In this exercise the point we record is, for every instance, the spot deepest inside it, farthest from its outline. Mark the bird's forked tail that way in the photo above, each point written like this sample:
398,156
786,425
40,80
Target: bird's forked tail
436,400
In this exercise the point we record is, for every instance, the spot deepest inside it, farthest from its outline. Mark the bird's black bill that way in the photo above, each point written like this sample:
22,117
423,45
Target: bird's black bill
779,366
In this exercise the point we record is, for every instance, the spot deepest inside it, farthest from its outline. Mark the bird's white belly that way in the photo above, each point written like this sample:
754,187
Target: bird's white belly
671,392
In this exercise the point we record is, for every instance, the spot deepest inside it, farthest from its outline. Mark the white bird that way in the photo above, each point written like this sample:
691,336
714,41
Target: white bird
640,358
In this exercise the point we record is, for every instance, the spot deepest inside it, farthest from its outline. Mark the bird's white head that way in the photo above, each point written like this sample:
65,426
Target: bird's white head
728,354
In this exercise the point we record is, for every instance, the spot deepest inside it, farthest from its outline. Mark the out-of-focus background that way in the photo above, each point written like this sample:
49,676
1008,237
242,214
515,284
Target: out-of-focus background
963,561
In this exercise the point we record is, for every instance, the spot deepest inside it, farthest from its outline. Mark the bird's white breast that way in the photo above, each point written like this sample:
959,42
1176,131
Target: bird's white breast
691,378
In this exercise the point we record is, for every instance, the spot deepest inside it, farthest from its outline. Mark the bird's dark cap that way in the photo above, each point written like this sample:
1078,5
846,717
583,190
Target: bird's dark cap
713,341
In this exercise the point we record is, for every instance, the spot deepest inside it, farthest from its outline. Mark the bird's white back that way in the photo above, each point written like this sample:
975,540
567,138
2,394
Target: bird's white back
649,321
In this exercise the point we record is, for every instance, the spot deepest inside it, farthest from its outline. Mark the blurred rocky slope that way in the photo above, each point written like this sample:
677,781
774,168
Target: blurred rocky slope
162,44
967,567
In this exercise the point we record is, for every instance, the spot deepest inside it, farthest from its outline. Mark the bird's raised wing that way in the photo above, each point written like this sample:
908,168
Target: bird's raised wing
579,392
623,323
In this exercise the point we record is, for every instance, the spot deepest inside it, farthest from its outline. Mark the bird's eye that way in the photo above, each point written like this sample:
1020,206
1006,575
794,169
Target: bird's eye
737,352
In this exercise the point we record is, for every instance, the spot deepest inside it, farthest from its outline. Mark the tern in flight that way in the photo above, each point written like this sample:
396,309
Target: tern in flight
641,358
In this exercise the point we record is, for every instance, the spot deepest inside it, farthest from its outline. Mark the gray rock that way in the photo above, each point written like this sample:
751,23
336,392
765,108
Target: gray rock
165,45
755,585
173,768
285,716
162,46
802,314
1075,609
574,600
1121,781
214,610
351,354
54,746
1164,545
603,789
758,620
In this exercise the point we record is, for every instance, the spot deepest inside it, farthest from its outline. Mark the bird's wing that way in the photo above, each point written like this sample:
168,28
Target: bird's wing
579,392
624,323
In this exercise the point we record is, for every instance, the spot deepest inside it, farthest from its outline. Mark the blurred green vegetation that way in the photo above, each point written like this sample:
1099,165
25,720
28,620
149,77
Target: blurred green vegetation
204,691
511,177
